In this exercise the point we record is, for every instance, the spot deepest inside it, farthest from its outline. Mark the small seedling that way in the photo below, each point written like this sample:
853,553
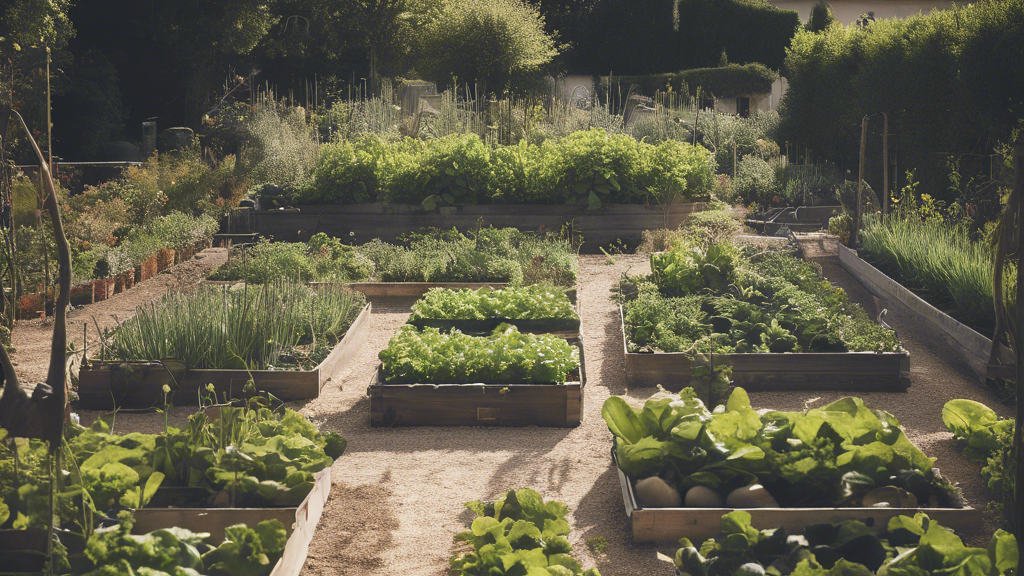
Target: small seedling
597,545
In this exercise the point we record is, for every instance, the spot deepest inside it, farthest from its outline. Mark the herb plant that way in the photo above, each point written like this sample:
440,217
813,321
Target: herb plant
272,326
504,357
514,303
519,533
908,546
825,456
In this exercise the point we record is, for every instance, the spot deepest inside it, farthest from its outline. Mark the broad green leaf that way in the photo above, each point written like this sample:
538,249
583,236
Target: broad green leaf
430,203
593,201
622,420
1002,551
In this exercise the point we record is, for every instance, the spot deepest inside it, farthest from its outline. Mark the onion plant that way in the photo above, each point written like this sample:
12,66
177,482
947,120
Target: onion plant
939,260
238,327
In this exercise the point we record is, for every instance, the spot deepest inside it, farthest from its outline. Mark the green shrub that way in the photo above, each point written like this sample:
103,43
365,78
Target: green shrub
444,171
722,82
755,181
344,173
498,43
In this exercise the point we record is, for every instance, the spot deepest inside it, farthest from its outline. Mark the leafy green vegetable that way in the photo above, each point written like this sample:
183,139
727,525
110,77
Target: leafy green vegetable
822,457
504,357
707,296
515,303
246,551
986,439
518,534
915,546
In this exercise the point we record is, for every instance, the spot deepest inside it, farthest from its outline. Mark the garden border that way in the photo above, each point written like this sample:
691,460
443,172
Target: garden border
407,289
388,221
759,372
970,345
699,524
95,384
556,405
300,521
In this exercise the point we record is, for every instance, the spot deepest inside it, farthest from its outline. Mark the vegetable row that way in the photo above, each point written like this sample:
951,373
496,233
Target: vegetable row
710,296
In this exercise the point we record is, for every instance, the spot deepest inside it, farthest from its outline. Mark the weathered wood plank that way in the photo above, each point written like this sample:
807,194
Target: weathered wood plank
557,405
699,524
300,521
625,222
106,385
852,371
967,343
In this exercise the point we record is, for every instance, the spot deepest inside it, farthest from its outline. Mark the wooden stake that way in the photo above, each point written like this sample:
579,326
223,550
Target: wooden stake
885,164
860,178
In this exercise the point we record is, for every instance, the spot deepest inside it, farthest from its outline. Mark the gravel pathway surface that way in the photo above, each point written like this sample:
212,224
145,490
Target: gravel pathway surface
31,338
398,494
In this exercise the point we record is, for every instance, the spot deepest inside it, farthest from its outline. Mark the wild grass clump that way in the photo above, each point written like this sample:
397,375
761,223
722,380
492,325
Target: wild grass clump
322,259
240,327
715,224
938,259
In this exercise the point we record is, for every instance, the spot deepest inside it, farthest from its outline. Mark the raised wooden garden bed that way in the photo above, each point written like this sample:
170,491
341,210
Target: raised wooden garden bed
968,344
388,222
566,328
559,405
408,289
699,524
23,551
760,372
105,385
300,521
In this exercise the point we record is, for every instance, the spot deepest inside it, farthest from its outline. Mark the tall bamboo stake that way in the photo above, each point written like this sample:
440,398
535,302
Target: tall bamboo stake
860,178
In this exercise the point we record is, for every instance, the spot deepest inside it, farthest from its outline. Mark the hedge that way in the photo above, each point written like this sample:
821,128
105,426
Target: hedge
952,83
723,82
589,167
653,36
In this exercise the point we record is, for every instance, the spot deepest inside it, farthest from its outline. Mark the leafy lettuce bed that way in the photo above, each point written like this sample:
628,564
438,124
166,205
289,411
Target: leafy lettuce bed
504,357
248,456
843,454
987,439
514,303
518,534
915,546
709,296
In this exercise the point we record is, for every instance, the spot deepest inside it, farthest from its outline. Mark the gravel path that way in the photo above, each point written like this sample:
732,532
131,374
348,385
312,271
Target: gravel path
31,338
398,494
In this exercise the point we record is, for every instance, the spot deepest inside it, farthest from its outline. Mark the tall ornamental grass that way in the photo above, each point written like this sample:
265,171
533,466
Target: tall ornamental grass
938,260
239,327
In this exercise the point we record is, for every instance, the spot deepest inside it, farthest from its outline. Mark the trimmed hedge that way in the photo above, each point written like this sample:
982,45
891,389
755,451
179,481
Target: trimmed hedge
652,36
952,83
589,167
723,82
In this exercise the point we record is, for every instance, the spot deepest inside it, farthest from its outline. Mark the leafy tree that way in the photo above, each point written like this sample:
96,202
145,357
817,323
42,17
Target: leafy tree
494,42
821,16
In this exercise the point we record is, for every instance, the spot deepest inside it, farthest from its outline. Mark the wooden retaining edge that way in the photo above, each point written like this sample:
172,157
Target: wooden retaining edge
95,384
407,289
699,524
967,343
300,521
766,372
387,222
557,405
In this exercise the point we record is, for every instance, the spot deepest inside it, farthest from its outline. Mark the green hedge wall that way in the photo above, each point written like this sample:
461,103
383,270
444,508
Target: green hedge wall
652,36
723,82
952,82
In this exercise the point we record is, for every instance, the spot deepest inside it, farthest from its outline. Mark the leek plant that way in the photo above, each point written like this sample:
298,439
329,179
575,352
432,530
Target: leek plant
939,260
239,327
